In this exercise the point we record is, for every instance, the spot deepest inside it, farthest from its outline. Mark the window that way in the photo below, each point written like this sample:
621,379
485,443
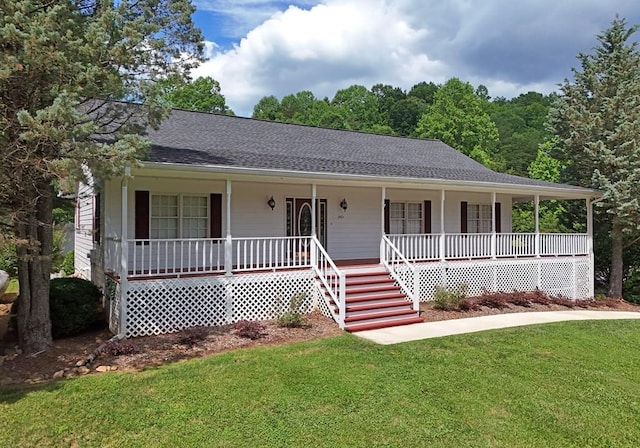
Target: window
174,216
479,218
405,217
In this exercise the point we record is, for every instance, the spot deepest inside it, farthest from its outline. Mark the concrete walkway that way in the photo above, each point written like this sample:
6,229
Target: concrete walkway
426,330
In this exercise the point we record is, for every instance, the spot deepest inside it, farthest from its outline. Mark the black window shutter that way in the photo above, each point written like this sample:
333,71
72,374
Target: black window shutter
215,227
97,218
427,216
463,217
386,216
141,215
498,218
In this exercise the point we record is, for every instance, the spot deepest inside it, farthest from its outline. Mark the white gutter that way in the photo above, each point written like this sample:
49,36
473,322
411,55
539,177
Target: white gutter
460,185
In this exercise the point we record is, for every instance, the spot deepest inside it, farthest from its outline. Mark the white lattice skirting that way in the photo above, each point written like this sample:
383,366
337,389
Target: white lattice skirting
168,305
568,277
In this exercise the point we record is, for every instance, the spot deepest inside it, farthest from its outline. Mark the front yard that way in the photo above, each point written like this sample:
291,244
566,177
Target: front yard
568,384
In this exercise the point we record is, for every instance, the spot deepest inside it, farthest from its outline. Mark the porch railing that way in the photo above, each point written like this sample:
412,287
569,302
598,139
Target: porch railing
149,257
426,247
268,253
397,265
332,278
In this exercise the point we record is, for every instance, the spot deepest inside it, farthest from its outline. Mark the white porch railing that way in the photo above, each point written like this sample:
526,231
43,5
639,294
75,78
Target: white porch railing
175,256
395,262
457,246
332,278
417,247
269,253
467,245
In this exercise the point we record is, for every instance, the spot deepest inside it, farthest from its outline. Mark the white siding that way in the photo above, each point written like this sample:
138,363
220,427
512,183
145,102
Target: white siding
83,240
351,234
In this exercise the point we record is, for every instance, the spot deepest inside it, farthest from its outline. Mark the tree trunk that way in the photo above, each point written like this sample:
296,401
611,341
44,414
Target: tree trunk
34,232
615,279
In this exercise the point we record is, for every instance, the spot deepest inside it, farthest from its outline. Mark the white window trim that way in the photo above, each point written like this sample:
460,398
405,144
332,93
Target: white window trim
480,220
180,212
406,219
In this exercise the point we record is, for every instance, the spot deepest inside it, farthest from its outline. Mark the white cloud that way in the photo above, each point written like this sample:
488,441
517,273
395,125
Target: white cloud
510,47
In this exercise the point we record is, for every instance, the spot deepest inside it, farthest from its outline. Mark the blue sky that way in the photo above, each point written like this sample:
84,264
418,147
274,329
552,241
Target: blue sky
262,47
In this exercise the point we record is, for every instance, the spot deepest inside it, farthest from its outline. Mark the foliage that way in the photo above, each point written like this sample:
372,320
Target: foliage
68,263
596,120
8,258
249,329
201,94
74,306
533,386
459,118
449,299
192,335
63,66
292,317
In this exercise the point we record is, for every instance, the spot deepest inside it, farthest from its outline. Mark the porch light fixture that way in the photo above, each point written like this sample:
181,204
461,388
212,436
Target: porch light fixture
271,203
344,205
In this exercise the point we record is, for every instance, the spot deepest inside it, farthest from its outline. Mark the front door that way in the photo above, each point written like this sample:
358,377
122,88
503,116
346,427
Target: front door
299,218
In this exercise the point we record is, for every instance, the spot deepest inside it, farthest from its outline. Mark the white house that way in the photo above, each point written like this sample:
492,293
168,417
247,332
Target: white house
231,218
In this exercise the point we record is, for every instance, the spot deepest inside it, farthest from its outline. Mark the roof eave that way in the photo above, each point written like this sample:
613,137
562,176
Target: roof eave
557,192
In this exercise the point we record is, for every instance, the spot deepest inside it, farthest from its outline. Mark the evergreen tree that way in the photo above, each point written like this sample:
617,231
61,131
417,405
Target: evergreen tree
597,119
62,66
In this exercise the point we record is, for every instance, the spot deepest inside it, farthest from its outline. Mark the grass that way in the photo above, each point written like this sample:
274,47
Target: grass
12,287
565,384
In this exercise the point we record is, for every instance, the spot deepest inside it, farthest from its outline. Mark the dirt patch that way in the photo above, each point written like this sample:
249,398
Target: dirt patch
68,356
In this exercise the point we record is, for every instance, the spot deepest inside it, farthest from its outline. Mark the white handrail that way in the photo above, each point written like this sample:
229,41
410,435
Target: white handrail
271,253
156,257
392,258
332,278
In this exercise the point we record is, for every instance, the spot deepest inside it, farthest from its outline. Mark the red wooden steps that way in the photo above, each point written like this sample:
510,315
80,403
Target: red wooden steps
373,300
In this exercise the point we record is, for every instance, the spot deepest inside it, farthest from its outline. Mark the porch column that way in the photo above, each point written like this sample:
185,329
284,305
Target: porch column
314,194
536,230
442,242
124,254
493,225
590,246
382,205
314,233
228,245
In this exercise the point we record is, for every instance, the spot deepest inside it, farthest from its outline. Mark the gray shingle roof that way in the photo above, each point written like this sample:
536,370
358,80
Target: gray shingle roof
206,139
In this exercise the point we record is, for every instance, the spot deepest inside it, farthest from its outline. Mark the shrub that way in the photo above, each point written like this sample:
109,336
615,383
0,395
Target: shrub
249,329
448,300
292,318
74,304
192,335
8,258
118,348
68,263
497,301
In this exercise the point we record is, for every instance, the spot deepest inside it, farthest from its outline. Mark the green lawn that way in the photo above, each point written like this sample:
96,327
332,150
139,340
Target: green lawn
568,384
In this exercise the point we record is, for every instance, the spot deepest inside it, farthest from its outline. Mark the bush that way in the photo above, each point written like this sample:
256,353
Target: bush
118,348
448,300
192,335
74,304
249,329
292,318
8,258
68,263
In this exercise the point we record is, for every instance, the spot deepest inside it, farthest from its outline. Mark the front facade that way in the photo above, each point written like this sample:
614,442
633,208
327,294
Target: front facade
205,235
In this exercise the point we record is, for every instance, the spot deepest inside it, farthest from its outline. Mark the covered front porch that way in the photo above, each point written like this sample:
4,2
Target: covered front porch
421,237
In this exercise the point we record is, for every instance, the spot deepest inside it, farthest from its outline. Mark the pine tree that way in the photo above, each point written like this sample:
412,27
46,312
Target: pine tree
597,120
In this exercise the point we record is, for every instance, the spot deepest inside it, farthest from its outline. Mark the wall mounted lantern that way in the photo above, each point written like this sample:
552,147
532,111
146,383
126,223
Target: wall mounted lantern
344,205
271,203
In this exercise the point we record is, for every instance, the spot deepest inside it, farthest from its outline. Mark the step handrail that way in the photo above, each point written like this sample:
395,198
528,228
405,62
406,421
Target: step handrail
387,249
332,278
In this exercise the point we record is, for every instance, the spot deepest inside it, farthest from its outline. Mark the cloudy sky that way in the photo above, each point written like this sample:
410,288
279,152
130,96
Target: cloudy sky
265,47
